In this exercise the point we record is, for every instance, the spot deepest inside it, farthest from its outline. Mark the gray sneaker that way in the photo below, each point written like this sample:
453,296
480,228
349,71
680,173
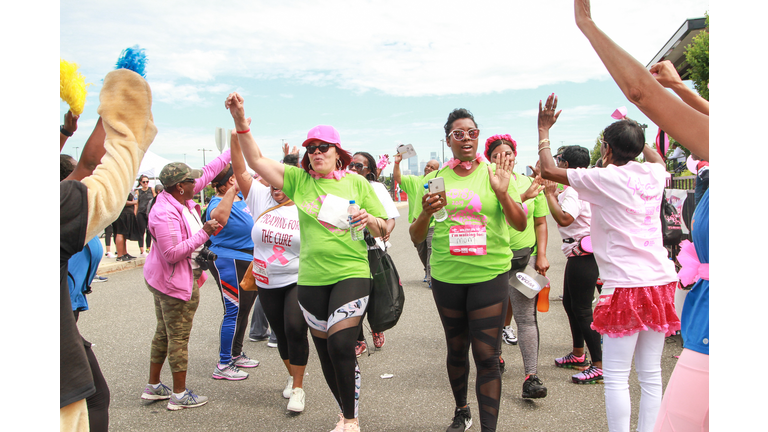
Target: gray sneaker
230,372
151,393
242,361
188,400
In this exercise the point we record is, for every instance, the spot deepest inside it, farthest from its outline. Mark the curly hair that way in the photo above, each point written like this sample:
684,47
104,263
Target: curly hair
374,174
457,114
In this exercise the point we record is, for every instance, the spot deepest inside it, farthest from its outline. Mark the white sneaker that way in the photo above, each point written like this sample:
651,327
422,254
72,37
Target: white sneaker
110,255
508,334
288,388
230,372
296,403
242,361
271,344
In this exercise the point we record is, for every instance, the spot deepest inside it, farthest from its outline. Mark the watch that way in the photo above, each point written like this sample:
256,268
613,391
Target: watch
65,132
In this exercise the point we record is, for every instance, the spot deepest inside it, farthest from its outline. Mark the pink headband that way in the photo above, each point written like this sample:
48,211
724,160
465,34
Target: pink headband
505,137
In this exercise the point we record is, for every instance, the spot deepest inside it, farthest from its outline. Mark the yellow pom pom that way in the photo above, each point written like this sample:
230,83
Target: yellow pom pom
72,87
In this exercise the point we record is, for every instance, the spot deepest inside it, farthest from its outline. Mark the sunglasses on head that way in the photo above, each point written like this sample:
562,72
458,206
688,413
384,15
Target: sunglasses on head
323,148
356,165
458,134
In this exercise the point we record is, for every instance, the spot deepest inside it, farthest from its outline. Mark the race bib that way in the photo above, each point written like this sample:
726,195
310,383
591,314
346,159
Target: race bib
467,240
260,271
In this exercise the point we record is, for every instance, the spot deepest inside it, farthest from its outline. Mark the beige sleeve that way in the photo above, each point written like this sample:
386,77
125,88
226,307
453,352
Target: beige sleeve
125,110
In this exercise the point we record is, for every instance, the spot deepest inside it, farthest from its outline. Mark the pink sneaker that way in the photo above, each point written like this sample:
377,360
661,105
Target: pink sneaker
378,339
360,348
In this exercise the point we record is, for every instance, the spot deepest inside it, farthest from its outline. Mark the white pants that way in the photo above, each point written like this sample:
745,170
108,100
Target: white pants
646,346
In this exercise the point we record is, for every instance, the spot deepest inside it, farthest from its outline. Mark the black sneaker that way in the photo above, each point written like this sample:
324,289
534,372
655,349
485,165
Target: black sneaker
129,257
533,388
462,420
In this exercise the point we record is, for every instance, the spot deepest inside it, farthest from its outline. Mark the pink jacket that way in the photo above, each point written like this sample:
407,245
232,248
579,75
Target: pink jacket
167,268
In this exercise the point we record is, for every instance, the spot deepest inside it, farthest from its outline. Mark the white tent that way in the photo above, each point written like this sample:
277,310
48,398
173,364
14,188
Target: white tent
152,164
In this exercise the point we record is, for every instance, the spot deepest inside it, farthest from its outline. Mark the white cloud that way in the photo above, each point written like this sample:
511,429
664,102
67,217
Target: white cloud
399,48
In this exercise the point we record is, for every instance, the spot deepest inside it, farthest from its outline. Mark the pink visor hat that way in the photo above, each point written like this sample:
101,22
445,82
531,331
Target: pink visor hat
330,135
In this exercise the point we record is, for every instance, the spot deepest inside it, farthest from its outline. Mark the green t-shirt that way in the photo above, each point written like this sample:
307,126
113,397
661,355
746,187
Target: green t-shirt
471,202
537,207
414,187
328,254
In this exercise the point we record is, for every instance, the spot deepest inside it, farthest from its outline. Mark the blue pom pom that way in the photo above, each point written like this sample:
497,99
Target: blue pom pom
134,59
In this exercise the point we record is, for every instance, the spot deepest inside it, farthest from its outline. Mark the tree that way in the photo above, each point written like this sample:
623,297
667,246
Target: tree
697,55
595,154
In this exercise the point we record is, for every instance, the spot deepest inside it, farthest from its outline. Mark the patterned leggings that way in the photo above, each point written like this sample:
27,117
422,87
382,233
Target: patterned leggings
334,314
473,315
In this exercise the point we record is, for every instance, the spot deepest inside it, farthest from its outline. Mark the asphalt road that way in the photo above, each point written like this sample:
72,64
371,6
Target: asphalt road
121,323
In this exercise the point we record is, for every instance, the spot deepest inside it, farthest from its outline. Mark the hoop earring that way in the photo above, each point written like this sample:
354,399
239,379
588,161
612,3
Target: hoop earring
182,192
338,164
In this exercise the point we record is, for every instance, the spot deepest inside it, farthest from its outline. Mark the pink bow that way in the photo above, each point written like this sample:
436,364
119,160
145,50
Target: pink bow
692,270
620,113
333,175
453,162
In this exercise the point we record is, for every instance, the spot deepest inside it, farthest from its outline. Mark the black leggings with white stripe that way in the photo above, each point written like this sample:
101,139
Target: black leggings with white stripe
473,315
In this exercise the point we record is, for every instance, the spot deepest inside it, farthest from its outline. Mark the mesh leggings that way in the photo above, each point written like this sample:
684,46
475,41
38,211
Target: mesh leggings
334,314
473,315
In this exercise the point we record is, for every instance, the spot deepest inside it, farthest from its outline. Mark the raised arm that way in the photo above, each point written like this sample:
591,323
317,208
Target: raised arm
93,151
562,218
242,176
689,126
499,179
128,130
666,74
396,175
224,208
272,171
652,156
547,118
69,126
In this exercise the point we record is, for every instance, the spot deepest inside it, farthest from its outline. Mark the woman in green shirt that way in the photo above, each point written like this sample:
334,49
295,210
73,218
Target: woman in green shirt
470,262
334,276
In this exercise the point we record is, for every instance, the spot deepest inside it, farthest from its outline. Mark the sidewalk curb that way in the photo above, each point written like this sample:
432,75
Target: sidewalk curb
109,265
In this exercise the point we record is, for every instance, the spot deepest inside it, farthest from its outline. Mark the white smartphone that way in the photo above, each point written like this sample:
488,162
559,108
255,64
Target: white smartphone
437,186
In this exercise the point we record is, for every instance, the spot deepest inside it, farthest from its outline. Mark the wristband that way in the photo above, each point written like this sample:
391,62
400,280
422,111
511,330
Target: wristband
65,132
545,140
245,131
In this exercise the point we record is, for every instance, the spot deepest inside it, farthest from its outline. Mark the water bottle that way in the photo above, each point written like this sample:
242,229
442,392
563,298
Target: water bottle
355,230
439,215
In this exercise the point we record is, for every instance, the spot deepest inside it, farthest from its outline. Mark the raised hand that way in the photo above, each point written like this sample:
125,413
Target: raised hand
550,188
500,178
286,152
70,122
582,12
236,106
398,158
533,190
547,114
666,74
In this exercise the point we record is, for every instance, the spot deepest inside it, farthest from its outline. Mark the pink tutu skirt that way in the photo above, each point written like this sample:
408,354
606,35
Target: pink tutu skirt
631,310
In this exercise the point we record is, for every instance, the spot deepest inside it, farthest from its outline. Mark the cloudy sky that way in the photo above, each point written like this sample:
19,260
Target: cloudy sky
380,72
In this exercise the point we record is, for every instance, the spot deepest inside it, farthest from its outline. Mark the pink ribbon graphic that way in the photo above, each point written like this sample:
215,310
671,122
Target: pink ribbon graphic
620,113
692,270
278,255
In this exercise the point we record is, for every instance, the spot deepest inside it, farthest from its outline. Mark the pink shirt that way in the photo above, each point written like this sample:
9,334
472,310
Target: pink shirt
581,213
626,226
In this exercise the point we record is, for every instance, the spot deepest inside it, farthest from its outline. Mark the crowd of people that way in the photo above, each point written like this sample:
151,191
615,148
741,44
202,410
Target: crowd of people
291,231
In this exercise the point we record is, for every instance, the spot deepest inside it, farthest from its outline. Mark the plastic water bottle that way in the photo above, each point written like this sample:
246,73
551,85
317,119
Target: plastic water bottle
439,215
355,230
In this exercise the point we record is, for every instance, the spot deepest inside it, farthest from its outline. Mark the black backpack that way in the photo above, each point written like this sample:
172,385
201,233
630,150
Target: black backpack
671,230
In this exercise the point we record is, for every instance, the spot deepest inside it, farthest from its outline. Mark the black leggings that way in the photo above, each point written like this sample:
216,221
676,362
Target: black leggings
343,304
473,314
143,220
578,292
281,306
98,403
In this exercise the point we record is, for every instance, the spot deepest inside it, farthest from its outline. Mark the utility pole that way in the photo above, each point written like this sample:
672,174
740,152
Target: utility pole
202,191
